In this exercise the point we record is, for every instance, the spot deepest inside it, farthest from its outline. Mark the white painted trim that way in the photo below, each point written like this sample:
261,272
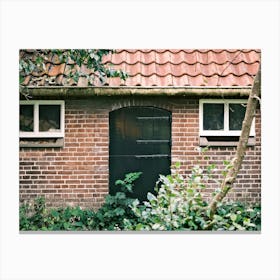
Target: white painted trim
226,117
36,118
226,131
44,134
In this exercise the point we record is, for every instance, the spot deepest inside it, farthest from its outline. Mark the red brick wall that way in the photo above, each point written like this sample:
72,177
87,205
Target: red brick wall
185,139
77,174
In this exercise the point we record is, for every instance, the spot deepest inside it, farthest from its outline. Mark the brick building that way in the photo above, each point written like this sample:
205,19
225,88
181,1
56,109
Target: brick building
78,137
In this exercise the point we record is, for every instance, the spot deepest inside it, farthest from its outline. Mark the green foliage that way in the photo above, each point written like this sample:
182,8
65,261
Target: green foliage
35,216
92,58
127,183
176,206
179,205
237,216
117,208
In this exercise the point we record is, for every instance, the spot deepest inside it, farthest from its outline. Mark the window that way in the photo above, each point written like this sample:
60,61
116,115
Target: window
220,117
41,119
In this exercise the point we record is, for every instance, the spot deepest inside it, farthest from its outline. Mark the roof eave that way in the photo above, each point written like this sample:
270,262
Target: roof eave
203,91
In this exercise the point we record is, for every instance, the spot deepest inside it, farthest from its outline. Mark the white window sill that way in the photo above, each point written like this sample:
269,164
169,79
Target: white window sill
223,141
41,143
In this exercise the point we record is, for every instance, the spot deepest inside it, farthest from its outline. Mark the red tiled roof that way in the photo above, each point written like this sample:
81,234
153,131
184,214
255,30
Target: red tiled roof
164,68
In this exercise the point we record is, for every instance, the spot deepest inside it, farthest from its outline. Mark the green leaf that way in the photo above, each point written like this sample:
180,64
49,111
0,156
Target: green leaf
76,77
150,196
218,217
135,203
119,182
239,227
156,226
139,227
21,79
119,211
78,224
233,217
66,225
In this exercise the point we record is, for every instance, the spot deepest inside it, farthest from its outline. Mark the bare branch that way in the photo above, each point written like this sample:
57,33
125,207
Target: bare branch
227,184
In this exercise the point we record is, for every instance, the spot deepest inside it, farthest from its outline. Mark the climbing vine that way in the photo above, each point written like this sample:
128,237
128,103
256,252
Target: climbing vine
35,62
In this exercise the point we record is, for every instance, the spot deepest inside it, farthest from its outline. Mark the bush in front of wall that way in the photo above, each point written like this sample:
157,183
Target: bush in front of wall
117,208
179,205
35,216
237,216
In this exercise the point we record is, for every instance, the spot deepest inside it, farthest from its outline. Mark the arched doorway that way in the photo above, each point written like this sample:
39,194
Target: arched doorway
140,140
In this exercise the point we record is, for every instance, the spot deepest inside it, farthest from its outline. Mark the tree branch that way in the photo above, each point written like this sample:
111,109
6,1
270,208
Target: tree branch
227,184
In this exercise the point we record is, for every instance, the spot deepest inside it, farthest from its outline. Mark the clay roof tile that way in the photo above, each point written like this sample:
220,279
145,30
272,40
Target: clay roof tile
157,67
55,70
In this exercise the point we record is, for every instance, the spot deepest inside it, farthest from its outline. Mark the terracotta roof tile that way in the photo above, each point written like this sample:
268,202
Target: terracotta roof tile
162,57
202,57
85,70
158,67
26,80
59,79
211,81
148,69
181,81
148,57
55,59
218,57
70,69
55,70
198,81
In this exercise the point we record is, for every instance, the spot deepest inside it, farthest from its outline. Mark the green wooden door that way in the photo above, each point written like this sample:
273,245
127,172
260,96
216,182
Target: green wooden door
140,140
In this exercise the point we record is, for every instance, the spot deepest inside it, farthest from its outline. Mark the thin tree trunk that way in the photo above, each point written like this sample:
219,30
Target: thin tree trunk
227,184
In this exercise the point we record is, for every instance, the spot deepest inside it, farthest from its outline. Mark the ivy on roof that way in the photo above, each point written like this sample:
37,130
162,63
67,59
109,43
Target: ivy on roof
70,64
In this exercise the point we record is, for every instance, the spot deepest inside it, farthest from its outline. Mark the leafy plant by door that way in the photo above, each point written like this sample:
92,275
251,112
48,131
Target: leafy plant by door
180,205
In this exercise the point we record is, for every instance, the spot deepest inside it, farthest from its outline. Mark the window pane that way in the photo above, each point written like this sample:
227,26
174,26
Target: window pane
26,118
213,116
236,116
49,117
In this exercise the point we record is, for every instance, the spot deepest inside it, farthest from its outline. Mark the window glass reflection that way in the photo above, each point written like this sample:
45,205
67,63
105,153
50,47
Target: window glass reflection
49,117
236,116
26,118
213,116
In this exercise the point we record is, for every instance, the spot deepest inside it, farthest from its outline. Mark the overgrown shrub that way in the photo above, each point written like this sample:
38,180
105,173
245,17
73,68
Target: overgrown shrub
35,215
237,216
179,205
117,208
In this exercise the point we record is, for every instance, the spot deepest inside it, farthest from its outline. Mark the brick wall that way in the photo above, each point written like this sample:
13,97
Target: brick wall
185,139
77,174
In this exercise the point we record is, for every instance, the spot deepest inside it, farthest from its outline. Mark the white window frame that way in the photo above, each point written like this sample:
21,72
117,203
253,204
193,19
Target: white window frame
43,134
226,131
